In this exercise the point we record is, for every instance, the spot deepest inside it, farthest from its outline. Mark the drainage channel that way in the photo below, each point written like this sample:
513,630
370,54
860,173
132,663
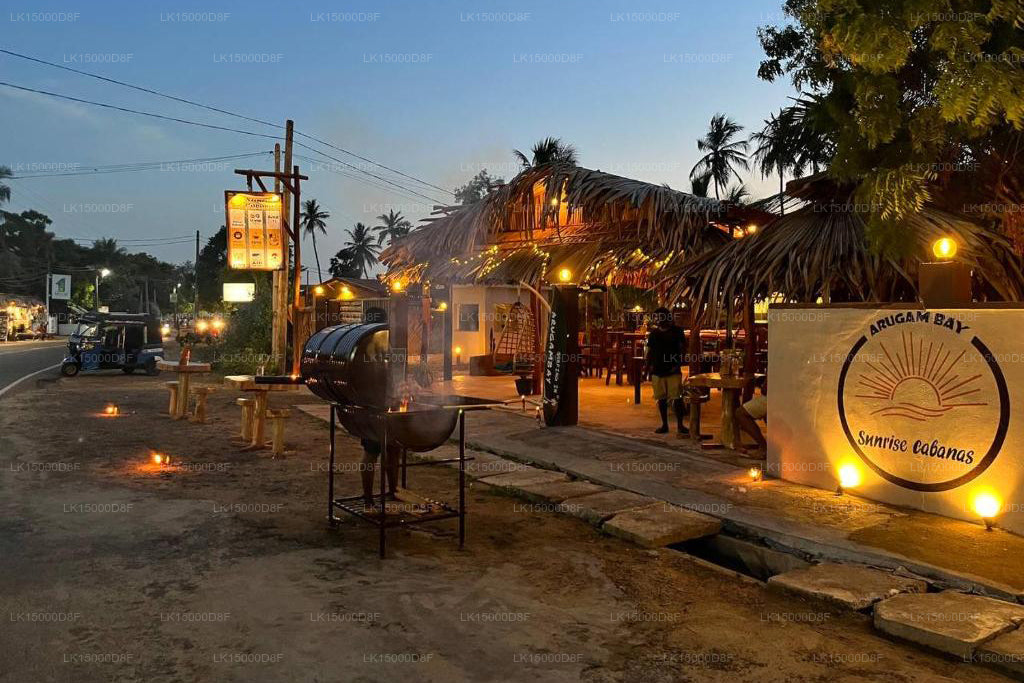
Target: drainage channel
749,558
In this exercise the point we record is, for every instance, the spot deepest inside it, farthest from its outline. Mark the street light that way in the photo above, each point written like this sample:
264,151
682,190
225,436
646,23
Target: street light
102,272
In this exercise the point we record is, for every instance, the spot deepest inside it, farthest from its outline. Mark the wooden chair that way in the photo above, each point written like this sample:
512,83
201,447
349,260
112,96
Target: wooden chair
200,411
172,387
278,416
248,406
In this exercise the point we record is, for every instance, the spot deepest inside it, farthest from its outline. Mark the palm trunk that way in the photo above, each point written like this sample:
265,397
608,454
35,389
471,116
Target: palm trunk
782,203
319,274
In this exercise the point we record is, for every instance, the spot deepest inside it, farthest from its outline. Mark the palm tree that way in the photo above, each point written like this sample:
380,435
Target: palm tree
5,190
699,185
105,251
362,248
722,154
737,194
395,226
313,219
776,149
548,151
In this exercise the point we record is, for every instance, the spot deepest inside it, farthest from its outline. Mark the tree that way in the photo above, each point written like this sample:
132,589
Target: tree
737,194
478,187
776,150
548,151
362,247
210,268
5,189
343,264
922,106
313,221
395,226
722,153
106,251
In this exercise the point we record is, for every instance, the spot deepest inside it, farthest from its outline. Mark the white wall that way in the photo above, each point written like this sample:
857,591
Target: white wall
487,297
919,378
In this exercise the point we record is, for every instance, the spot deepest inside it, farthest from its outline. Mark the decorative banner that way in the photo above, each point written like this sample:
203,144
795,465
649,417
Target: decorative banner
915,404
255,234
239,292
60,287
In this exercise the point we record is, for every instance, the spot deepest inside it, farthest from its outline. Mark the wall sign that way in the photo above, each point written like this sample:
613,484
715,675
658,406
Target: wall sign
920,402
255,233
60,287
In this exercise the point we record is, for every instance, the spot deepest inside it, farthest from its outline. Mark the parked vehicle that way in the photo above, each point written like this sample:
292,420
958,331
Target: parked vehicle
124,341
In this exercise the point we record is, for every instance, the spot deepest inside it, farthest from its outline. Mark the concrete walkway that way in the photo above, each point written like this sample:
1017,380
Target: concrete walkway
811,524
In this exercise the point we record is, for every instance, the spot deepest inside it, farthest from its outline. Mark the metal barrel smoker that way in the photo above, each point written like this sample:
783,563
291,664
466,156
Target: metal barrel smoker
352,367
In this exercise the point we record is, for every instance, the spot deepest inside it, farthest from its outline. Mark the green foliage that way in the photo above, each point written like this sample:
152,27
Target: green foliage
246,342
905,89
478,187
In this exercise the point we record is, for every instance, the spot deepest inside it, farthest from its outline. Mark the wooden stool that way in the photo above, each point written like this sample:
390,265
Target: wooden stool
278,416
172,406
248,406
201,393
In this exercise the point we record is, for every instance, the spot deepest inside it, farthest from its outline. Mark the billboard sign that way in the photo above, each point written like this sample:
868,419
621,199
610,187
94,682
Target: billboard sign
60,287
255,231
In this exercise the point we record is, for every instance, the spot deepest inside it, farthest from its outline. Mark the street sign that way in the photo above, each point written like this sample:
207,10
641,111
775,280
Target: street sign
255,234
60,287
239,292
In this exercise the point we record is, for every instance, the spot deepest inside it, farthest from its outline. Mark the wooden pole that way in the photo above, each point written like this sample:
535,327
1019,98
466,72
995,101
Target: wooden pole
279,326
296,323
283,310
749,343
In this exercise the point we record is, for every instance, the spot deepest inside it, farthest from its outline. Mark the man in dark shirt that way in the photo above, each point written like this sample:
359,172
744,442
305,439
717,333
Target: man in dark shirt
666,346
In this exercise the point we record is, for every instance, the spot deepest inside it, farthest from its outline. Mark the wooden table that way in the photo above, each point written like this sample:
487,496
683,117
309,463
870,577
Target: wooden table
184,373
731,388
248,383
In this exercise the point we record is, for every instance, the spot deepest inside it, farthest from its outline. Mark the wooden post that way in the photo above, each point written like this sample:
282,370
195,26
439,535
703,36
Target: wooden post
425,332
281,308
562,374
749,344
398,344
539,325
446,331
279,326
296,327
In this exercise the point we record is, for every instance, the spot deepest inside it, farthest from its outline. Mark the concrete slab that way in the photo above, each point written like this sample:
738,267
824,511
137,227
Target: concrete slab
1005,653
558,491
597,507
849,586
523,477
661,525
951,622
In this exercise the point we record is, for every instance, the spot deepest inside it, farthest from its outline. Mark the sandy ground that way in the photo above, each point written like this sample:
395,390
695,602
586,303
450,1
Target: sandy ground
222,568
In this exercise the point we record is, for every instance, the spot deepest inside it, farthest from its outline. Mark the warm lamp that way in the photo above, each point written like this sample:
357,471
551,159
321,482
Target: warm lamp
565,275
849,477
944,248
987,506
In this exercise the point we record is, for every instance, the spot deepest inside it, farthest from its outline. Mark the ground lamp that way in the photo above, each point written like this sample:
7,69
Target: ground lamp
987,506
944,283
756,473
111,410
161,459
849,477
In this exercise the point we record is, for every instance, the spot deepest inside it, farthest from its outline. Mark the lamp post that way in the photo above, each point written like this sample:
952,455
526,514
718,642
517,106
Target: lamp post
102,272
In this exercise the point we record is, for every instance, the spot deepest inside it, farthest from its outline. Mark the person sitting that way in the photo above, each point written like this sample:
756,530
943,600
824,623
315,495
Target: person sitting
747,416
665,351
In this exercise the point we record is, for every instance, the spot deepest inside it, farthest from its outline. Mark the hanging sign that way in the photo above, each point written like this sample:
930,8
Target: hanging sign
255,233
60,287
239,292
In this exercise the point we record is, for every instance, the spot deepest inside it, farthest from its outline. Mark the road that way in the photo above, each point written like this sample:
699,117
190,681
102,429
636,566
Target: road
19,360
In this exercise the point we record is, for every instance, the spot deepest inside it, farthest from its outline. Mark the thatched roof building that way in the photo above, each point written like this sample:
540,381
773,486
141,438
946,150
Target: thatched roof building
823,250
600,226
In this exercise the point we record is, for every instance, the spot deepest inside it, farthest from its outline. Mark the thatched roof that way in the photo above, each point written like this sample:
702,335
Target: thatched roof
822,250
596,224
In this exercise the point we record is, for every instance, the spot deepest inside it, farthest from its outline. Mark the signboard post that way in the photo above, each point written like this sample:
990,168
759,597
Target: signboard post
255,234
561,359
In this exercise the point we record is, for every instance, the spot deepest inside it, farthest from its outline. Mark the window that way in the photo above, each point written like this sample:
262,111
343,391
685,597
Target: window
469,317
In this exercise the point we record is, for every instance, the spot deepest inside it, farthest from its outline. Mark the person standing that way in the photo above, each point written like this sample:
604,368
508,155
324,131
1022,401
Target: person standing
666,345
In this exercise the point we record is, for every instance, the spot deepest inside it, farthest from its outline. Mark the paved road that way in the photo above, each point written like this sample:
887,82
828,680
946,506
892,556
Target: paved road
21,359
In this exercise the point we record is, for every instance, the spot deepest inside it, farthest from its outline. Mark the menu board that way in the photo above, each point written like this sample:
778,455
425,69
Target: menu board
255,233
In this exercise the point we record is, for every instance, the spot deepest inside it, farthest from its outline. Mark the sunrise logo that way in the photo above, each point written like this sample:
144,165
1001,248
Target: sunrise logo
918,382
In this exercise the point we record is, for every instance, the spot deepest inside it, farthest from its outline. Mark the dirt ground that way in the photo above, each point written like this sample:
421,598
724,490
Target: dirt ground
222,568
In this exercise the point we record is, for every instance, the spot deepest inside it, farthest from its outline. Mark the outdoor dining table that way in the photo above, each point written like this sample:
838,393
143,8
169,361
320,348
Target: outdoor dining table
731,387
261,391
184,373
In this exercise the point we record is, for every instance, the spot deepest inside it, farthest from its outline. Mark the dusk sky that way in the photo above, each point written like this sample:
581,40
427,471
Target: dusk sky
435,89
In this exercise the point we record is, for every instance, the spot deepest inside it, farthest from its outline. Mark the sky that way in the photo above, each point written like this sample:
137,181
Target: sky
435,89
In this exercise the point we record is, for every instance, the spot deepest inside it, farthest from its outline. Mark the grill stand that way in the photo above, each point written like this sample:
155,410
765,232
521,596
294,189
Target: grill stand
356,506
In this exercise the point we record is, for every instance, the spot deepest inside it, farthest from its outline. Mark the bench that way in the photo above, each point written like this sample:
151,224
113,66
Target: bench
248,407
173,405
278,416
200,412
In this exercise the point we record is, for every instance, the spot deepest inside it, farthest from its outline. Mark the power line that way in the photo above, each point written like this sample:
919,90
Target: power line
208,125
132,167
219,111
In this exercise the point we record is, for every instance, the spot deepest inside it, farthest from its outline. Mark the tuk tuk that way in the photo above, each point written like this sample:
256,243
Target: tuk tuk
125,341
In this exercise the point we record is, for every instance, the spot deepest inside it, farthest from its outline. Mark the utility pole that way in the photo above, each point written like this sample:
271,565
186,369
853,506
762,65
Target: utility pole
195,284
282,310
280,314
